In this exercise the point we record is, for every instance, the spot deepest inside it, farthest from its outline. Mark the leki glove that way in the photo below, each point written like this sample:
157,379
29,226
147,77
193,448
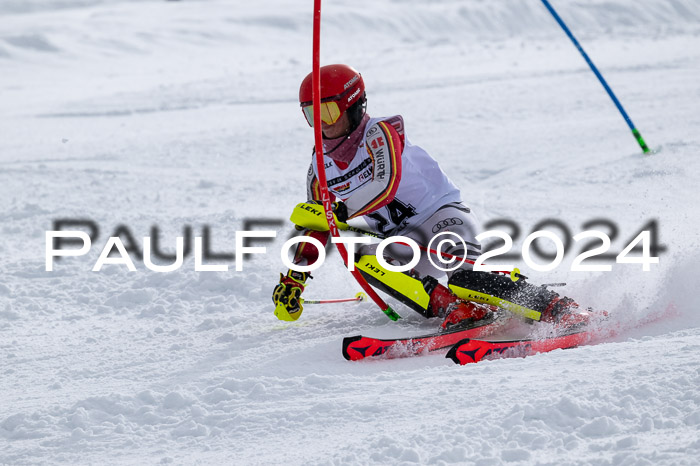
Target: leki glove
287,295
339,209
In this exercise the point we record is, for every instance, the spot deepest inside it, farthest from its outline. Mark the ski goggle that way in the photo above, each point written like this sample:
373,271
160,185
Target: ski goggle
332,107
330,113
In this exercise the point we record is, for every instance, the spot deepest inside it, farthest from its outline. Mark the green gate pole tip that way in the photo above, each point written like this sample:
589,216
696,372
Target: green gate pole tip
390,313
641,142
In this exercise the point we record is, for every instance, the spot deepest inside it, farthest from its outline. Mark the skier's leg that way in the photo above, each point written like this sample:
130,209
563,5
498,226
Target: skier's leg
458,227
535,302
425,296
525,299
402,286
419,289
453,222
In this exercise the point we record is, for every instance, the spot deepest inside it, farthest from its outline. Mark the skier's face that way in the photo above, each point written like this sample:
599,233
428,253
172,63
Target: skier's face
337,129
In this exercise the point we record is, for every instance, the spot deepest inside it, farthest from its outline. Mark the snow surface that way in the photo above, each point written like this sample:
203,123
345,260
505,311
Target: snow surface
185,113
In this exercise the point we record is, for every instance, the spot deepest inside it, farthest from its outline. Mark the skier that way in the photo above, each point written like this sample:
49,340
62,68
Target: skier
374,172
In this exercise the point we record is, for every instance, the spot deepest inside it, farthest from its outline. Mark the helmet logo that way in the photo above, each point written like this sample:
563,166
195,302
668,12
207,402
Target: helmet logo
351,82
353,95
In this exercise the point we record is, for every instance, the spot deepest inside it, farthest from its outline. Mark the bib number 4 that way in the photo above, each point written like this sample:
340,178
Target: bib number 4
397,211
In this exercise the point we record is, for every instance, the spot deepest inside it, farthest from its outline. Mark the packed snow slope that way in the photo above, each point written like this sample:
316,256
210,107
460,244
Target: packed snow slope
184,115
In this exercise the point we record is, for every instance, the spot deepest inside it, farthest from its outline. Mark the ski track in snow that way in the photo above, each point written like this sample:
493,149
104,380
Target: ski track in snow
185,113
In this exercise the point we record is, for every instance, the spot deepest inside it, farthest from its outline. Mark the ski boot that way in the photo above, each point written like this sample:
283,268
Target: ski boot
566,314
457,313
560,311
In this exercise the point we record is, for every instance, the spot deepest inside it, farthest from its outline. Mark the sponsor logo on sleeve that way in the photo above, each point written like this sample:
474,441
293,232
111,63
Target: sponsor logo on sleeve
342,188
365,175
380,163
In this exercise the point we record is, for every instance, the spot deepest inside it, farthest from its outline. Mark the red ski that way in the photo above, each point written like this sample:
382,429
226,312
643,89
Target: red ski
472,350
360,347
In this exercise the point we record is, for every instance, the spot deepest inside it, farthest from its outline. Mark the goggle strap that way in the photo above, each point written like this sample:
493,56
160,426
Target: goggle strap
329,99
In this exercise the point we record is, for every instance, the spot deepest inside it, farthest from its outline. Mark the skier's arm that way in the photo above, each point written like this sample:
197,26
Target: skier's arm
287,294
384,147
307,253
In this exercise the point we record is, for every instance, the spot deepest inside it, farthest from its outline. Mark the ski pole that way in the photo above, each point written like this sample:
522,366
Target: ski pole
320,166
617,103
359,297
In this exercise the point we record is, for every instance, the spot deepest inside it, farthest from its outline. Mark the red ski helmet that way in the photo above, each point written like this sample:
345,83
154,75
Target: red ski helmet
341,87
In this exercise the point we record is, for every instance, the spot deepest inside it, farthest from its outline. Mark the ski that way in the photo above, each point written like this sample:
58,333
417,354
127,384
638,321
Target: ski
472,350
361,347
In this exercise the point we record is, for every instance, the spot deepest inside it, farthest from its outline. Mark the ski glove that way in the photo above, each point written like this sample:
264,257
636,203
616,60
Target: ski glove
287,295
339,209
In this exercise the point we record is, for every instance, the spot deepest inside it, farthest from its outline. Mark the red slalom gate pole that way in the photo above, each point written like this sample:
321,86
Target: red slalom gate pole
325,196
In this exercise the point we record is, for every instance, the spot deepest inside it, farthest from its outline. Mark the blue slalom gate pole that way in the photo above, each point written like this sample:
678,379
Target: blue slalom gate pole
635,132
